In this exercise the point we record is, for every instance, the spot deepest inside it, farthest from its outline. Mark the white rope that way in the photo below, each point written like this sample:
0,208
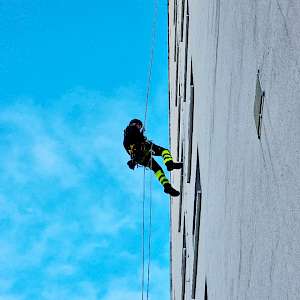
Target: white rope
147,97
151,55
143,279
150,219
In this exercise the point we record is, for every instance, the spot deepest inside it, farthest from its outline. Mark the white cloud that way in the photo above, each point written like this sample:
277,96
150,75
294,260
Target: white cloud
61,270
109,221
52,160
14,255
16,169
130,287
86,250
10,211
84,291
5,285
128,255
123,294
31,150
45,155
46,143
10,297
66,180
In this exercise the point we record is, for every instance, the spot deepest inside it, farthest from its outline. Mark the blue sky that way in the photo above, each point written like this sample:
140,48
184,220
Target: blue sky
74,74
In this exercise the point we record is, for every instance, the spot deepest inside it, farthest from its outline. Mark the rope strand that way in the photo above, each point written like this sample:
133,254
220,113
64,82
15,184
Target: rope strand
147,97
151,56
143,275
150,220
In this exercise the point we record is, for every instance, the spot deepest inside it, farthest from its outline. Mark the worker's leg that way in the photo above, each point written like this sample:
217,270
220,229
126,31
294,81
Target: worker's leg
168,160
160,175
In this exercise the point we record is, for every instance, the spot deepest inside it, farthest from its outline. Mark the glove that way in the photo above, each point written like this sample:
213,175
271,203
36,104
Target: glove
131,164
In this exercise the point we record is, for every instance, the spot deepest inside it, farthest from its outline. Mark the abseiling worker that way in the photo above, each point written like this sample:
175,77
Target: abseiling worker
138,147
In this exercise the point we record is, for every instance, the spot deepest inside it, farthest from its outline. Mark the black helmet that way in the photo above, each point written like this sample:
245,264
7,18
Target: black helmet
135,122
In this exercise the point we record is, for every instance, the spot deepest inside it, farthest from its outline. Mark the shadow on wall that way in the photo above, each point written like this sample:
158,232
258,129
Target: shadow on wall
205,290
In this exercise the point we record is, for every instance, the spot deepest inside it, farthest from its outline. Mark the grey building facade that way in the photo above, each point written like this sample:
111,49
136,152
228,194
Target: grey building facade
234,97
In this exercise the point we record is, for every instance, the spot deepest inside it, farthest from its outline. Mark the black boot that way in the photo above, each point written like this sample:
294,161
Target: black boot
172,165
169,190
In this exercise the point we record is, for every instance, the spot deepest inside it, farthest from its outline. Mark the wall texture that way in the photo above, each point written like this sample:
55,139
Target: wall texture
235,230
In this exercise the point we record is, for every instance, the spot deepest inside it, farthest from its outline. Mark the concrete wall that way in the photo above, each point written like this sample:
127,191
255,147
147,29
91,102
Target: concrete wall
249,245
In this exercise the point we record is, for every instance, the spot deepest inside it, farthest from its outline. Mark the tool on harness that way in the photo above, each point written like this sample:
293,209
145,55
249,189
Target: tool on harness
131,164
141,155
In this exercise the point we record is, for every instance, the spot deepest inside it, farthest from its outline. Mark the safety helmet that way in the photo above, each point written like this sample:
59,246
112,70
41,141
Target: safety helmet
135,122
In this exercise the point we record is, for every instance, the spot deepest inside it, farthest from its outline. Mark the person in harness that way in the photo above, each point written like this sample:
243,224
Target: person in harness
138,147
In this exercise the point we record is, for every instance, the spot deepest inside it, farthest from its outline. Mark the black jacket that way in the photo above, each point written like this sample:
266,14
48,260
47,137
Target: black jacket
133,139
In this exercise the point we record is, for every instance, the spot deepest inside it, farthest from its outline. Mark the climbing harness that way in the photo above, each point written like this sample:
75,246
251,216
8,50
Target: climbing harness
144,156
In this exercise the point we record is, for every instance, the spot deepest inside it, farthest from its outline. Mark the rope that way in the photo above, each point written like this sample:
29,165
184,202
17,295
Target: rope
147,97
151,56
143,280
150,220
